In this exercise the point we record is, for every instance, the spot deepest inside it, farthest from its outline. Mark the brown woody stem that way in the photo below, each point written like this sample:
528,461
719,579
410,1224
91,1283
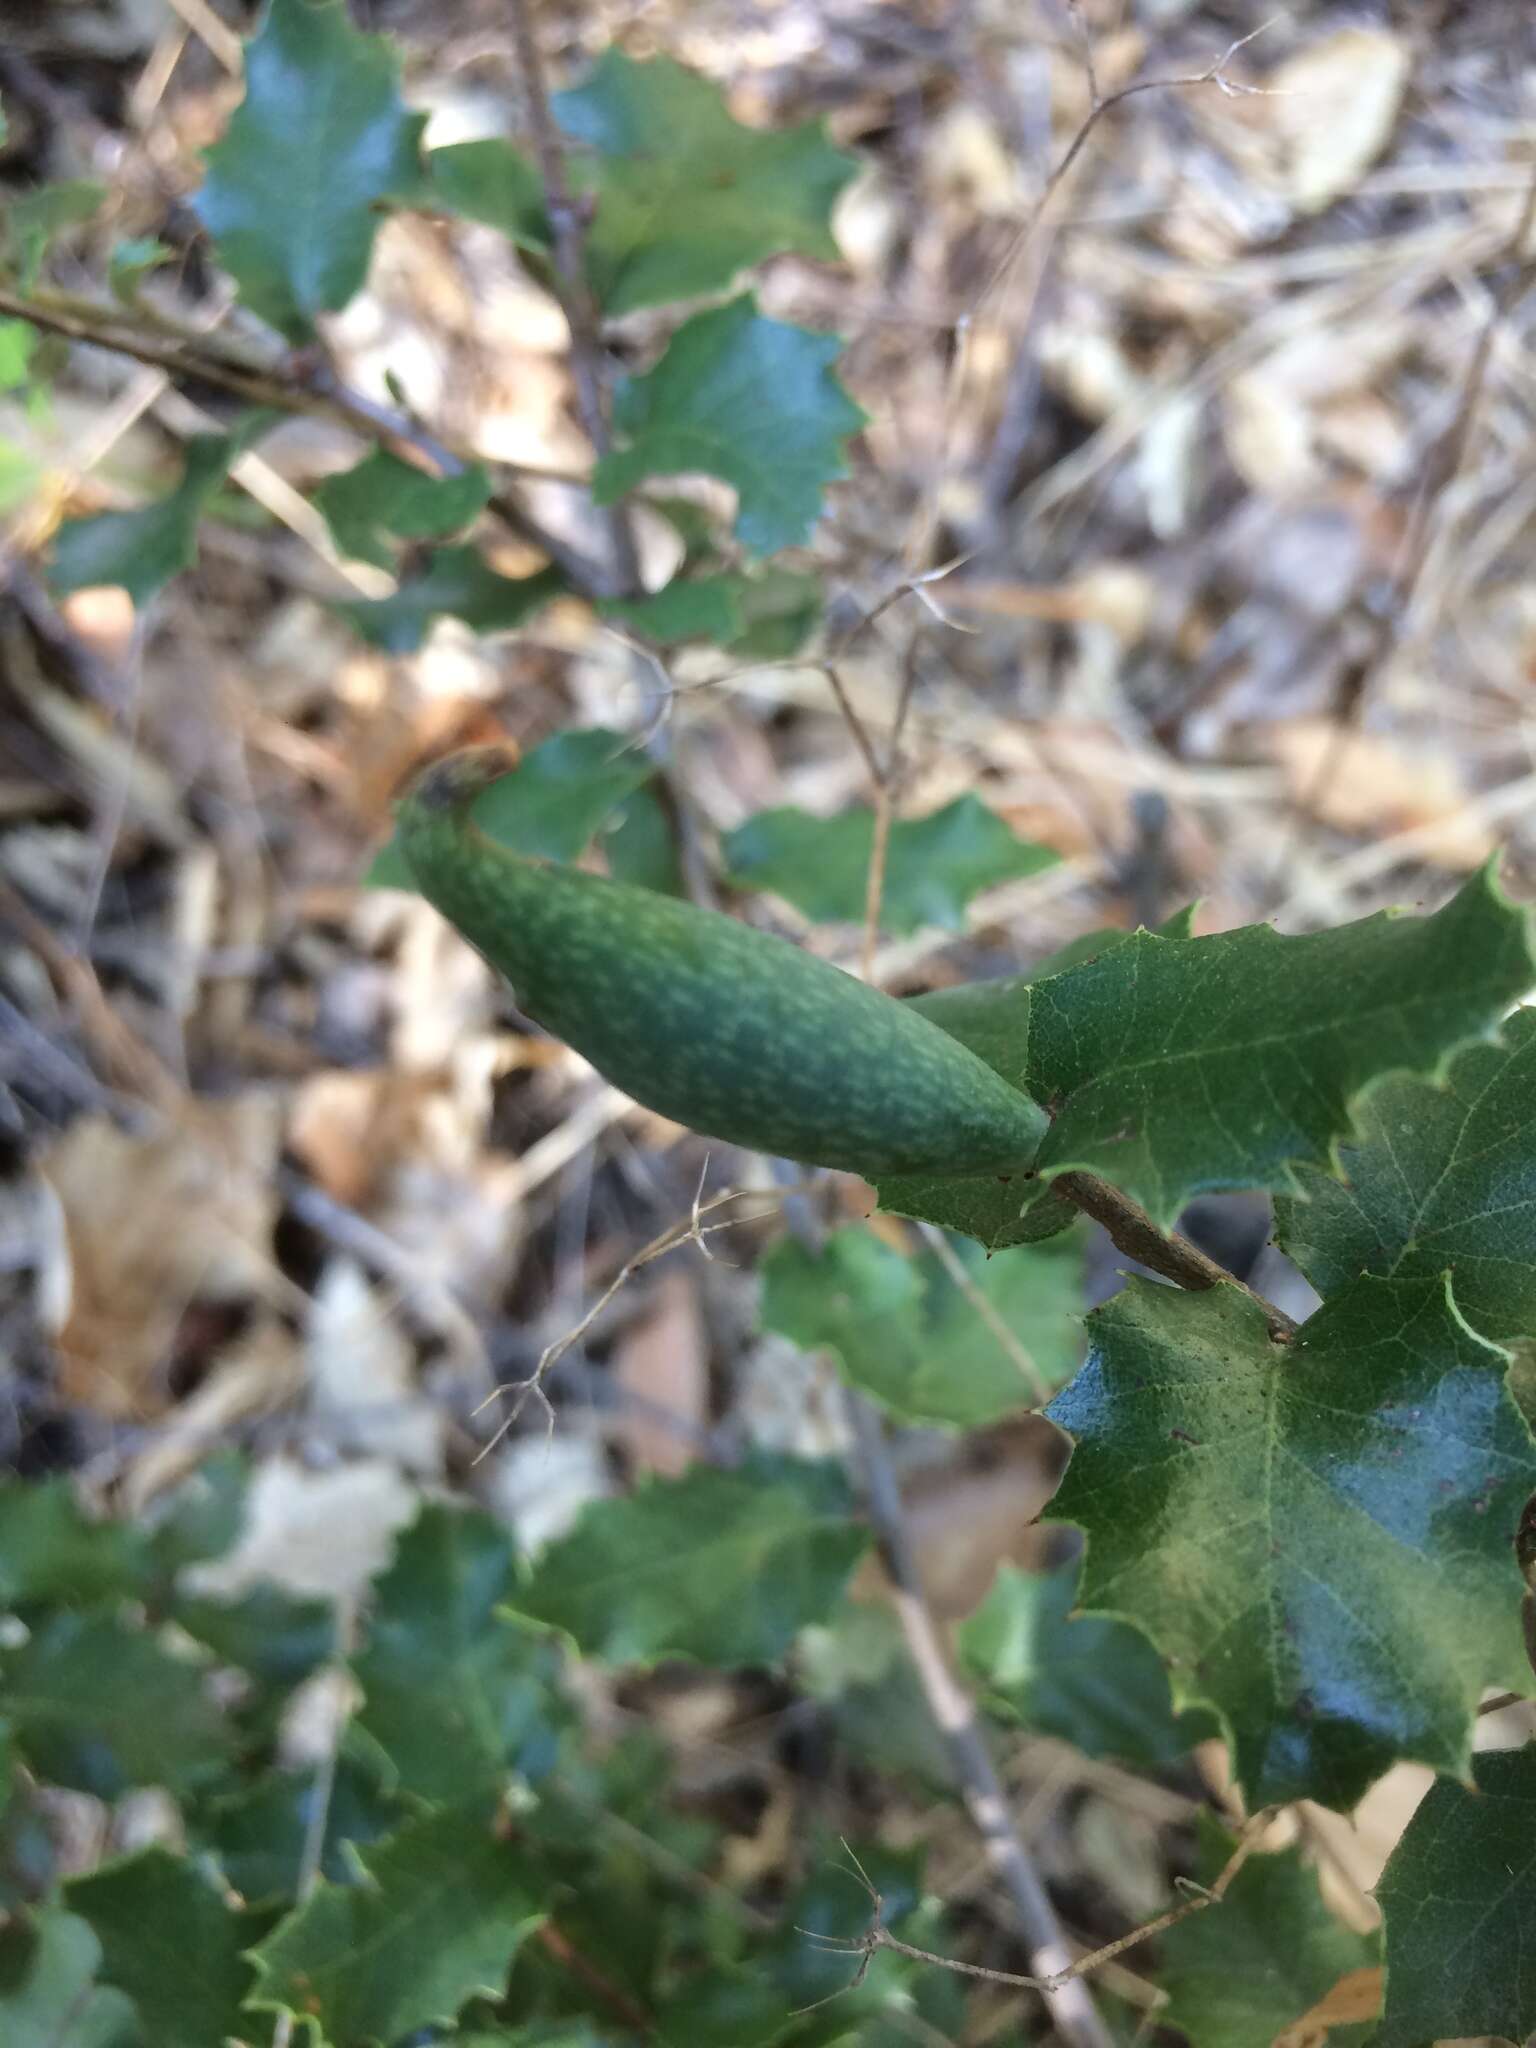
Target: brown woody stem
1133,1232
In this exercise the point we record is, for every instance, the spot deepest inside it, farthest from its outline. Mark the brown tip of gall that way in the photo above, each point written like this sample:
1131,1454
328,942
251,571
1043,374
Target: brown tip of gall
453,784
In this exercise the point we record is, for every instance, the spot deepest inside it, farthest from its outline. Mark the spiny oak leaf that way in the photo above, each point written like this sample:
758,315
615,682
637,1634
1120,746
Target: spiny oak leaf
723,1566
685,196
1459,1902
747,399
294,188
1176,1067
1436,1178
1318,1536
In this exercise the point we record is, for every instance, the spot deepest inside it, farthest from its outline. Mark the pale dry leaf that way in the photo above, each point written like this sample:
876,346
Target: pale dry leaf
444,992
1115,594
259,1374
790,1400
868,221
1373,788
662,1358
1354,1847
157,1224
976,1507
1167,465
1365,432
748,1860
1355,1998
1123,1856
1334,107
540,1483
102,616
350,1128
325,1533
1090,369
1268,434
361,1367
968,160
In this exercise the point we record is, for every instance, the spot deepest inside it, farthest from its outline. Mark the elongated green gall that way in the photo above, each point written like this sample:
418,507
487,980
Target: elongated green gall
731,1031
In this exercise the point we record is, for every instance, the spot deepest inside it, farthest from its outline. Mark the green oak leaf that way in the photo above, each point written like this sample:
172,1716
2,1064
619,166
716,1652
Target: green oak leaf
1000,1211
203,1518
490,182
51,1551
455,1692
686,197
780,610
445,1906
382,496
170,1941
933,865
28,1851
48,1994
1090,1680
1176,1067
258,1834
458,582
18,338
1186,1066
132,261
1459,1900
30,221
275,1637
564,791
1318,1536
725,1567
558,796
320,140
1240,1975
687,608
906,1333
992,1018
1436,1178
747,399
99,1707
142,550
767,617
640,846
541,2034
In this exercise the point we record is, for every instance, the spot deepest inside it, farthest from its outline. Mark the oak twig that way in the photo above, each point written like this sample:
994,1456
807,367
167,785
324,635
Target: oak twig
1133,1232
694,1231
312,1851
185,355
1198,1898
954,1712
568,227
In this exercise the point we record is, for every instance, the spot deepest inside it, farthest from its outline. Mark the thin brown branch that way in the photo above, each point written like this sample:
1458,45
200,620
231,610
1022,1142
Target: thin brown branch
323,1791
559,1946
874,877
1500,1701
1054,1974
184,355
568,226
887,784
694,1231
1016,1353
1133,1232
1200,1898
129,1062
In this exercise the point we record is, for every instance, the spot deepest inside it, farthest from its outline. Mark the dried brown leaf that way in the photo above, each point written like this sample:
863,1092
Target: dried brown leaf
160,1226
